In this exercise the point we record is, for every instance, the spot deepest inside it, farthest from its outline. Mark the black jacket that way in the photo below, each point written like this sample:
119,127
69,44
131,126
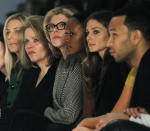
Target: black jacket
141,91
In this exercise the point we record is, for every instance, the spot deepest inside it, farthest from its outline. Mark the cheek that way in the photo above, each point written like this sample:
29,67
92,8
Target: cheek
1,53
26,49
42,50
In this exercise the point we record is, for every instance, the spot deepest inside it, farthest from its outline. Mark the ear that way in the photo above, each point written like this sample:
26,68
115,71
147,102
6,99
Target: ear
136,37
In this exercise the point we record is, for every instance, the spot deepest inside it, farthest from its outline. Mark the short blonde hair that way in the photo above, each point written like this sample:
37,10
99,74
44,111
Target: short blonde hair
68,12
10,58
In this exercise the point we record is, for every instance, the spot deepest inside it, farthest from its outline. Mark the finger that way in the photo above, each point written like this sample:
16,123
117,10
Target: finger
142,110
136,112
82,129
98,128
98,125
127,111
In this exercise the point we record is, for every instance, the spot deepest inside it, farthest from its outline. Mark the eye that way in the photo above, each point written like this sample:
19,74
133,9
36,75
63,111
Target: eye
17,31
66,33
114,34
69,33
35,40
61,25
26,41
96,31
7,33
72,33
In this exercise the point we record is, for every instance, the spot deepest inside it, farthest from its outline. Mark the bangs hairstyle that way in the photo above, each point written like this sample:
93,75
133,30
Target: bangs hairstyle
36,24
10,58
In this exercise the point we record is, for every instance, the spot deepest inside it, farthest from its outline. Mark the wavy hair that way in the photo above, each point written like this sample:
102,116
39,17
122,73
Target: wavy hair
67,11
94,67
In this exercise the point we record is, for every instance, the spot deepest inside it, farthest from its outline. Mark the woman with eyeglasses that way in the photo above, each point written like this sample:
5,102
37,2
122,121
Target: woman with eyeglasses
67,90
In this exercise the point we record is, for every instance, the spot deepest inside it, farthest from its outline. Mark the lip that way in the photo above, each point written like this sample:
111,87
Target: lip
31,52
90,45
12,44
56,37
112,53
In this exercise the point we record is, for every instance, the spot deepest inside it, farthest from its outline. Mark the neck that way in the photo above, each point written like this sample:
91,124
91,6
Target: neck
102,53
135,59
63,52
44,65
82,55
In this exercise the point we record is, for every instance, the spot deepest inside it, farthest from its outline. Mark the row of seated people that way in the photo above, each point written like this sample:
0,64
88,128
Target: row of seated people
67,66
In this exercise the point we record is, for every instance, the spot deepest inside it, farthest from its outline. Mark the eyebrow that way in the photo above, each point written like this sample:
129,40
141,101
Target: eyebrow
14,28
96,28
113,29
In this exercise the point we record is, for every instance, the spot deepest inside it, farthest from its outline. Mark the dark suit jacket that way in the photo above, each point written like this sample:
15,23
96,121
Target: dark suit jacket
141,91
36,99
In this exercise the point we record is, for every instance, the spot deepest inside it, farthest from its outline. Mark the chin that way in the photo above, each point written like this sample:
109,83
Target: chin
92,51
118,59
58,45
14,51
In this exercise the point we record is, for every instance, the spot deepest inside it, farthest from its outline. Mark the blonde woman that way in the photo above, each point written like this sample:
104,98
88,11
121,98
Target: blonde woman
67,90
13,67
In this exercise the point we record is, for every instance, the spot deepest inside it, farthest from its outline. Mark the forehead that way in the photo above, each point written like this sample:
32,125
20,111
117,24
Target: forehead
29,30
58,18
92,23
72,23
14,23
117,23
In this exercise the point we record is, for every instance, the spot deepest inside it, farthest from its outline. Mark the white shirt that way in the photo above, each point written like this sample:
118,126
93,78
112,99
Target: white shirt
144,119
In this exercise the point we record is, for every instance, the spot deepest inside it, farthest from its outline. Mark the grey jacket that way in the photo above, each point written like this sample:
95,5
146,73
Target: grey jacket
67,92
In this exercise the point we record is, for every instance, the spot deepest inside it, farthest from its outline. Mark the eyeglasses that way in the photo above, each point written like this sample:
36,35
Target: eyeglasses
59,26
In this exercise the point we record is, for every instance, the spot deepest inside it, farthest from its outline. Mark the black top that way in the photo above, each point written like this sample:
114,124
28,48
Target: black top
3,91
36,99
111,88
141,90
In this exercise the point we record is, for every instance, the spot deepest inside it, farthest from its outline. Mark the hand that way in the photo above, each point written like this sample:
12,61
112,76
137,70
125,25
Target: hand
82,129
135,112
105,119
89,122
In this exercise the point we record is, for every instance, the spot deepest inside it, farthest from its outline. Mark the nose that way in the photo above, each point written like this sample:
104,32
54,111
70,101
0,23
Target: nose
55,29
10,35
89,37
29,45
67,36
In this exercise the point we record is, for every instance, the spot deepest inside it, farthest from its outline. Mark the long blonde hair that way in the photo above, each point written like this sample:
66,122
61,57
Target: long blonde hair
11,59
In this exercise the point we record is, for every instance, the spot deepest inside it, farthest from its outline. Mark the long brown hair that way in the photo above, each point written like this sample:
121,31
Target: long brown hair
94,68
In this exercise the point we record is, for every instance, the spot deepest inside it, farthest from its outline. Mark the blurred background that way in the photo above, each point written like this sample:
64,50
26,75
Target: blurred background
40,7
8,7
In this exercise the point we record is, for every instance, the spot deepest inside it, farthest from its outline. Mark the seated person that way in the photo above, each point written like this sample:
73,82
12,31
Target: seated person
134,49
37,86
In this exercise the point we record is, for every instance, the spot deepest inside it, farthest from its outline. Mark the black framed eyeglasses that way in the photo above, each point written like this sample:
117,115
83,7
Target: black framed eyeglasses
59,26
